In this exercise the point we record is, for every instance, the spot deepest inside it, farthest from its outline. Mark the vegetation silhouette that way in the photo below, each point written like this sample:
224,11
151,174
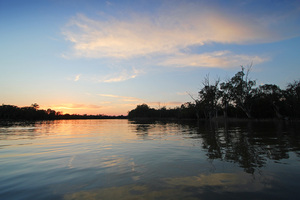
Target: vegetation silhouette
11,112
235,98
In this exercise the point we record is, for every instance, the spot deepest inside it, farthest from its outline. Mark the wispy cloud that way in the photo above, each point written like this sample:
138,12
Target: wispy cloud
182,93
74,106
124,75
213,59
108,3
122,98
171,34
77,77
167,32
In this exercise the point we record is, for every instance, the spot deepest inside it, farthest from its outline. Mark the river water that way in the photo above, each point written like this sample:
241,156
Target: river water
121,159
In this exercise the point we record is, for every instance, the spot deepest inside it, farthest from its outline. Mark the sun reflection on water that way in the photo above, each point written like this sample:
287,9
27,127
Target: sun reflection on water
121,159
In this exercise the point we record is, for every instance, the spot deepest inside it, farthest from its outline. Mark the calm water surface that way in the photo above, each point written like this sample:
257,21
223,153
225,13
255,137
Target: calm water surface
121,159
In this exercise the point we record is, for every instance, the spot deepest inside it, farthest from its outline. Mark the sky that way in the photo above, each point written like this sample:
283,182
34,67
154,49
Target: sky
107,57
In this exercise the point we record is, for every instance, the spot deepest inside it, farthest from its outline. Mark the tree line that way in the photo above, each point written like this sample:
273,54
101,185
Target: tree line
237,97
11,112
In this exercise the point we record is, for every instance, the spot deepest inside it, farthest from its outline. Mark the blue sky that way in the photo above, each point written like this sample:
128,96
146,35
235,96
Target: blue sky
106,57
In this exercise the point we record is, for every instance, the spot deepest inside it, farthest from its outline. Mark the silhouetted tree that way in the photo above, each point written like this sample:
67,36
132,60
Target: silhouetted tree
237,97
225,97
188,111
268,99
240,90
209,96
292,99
35,106
140,111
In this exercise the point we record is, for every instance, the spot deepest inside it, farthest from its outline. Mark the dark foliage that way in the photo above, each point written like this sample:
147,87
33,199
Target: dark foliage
234,98
144,111
10,112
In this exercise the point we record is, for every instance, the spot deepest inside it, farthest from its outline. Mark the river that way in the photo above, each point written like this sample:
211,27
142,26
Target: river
122,159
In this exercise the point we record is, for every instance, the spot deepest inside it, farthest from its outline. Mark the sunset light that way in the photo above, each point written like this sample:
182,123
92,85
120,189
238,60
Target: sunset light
149,99
106,57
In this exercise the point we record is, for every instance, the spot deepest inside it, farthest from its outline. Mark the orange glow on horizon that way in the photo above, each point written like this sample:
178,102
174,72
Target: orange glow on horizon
112,109
88,110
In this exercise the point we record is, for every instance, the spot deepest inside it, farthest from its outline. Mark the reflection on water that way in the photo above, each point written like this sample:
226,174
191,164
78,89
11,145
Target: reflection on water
192,187
251,145
121,159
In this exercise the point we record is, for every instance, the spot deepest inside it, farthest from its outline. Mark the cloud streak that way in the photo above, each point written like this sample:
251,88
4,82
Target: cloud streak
121,76
77,77
221,59
122,98
72,106
133,101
